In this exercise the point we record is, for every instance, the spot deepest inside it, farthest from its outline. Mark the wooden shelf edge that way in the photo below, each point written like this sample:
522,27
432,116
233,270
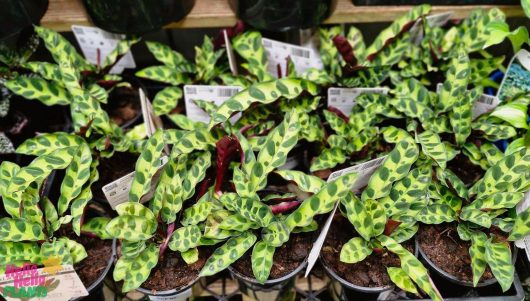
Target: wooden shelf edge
62,14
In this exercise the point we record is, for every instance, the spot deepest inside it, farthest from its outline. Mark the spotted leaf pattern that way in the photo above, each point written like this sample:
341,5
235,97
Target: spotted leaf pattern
262,259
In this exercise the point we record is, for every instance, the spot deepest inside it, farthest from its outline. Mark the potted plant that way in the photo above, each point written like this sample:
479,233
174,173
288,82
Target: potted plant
281,16
136,16
49,231
247,212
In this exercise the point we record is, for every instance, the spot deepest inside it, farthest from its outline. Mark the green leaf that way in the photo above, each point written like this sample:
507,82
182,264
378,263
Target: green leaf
263,92
97,226
262,259
355,250
120,50
131,228
321,202
49,93
191,256
499,258
76,175
17,229
455,85
185,238
168,57
249,46
163,74
135,271
228,253
515,113
402,280
477,252
198,212
521,226
304,181
433,147
166,100
77,250
15,251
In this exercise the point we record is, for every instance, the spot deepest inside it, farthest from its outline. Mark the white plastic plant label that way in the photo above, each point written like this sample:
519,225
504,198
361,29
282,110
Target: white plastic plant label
230,54
184,296
344,98
437,20
303,57
93,40
525,242
517,77
117,192
215,94
51,283
365,170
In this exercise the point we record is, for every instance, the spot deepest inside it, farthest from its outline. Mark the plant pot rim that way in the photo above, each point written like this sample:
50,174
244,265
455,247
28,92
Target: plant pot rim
171,292
344,282
269,282
453,278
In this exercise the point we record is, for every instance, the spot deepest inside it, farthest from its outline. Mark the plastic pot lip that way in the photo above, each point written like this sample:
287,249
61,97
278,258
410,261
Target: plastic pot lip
167,293
100,279
270,282
452,278
345,283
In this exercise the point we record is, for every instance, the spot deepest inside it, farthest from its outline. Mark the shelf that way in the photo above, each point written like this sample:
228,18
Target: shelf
216,13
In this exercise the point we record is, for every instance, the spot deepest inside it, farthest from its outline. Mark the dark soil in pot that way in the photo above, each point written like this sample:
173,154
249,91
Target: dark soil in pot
371,272
172,272
111,169
99,254
124,106
442,246
286,258
468,172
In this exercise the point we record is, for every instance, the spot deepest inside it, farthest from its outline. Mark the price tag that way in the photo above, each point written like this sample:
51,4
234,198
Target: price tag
524,243
344,98
365,171
93,40
215,94
303,57
438,20
117,192
57,283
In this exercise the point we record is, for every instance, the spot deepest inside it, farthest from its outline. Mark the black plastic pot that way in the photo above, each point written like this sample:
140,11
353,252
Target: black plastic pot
181,294
271,290
136,16
432,2
281,15
454,287
16,18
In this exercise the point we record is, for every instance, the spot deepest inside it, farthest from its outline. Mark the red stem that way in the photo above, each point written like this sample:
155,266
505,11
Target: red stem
284,207
163,246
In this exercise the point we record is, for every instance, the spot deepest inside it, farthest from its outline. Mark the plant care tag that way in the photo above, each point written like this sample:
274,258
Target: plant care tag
215,94
230,54
344,98
303,57
117,192
182,296
517,77
96,44
438,20
484,104
525,242
365,171
51,283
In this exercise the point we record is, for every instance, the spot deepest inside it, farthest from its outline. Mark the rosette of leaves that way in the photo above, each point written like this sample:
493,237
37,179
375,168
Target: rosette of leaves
381,229
176,71
30,232
146,231
11,61
245,213
352,63
437,46
73,82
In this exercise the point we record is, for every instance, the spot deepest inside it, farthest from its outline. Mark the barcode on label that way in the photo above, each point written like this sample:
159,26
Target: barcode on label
369,164
191,90
300,52
360,167
227,92
487,99
334,92
267,44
